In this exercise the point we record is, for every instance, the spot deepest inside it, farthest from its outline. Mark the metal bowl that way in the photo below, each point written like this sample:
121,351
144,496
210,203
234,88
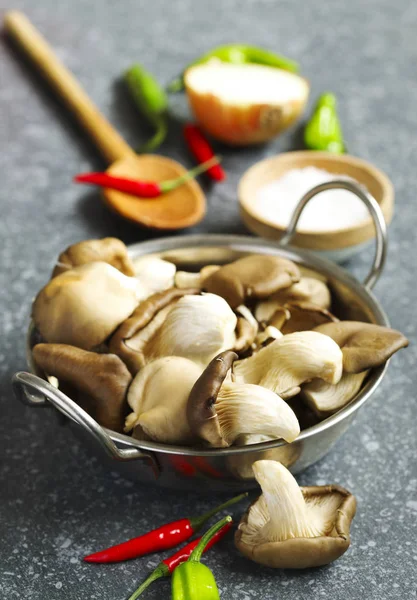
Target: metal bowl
230,468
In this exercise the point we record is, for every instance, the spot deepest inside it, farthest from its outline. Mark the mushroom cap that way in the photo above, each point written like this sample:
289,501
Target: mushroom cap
304,552
201,411
158,397
198,327
307,289
154,274
109,250
103,377
254,276
364,345
129,340
305,316
83,306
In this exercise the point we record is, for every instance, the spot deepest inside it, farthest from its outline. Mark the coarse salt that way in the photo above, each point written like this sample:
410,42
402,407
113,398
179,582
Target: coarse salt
328,211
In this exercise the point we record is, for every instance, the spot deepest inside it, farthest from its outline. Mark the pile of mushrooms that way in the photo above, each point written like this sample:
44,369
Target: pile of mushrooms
231,355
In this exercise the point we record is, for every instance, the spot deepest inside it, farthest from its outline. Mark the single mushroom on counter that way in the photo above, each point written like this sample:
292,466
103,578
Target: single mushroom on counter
176,323
255,276
325,399
307,289
109,250
154,274
219,410
284,364
104,378
186,279
84,305
158,397
364,345
289,527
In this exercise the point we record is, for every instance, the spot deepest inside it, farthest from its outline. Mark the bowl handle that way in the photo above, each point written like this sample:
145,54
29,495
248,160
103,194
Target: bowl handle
34,391
376,214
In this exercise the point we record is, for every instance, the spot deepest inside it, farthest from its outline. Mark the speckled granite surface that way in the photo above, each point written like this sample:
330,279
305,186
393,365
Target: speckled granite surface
57,502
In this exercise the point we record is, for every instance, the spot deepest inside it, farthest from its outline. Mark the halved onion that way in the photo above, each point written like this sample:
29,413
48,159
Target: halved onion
244,104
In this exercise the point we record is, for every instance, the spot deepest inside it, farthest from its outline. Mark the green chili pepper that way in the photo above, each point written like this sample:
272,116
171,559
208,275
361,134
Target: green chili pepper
192,580
238,54
152,102
323,130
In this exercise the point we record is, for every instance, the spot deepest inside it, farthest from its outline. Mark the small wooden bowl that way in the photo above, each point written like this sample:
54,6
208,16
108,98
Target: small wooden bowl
338,244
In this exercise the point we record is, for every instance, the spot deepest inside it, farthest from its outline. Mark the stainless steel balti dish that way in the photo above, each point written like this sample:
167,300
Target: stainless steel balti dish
228,469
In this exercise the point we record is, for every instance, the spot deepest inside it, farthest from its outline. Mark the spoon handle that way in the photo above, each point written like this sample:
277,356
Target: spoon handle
110,143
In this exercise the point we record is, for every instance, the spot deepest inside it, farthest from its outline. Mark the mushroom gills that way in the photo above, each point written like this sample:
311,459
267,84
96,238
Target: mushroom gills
219,410
282,512
252,409
325,398
284,364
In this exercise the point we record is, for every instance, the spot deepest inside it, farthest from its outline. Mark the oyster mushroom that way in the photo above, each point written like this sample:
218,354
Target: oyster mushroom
194,327
325,399
109,250
103,378
284,364
254,276
187,279
305,316
130,339
83,306
154,274
219,410
294,528
307,289
158,397
364,345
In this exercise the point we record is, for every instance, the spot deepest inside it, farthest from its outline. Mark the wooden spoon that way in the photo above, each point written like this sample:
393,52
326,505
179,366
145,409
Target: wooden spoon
177,209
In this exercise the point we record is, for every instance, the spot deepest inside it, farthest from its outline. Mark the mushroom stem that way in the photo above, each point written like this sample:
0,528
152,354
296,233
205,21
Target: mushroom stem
285,504
252,409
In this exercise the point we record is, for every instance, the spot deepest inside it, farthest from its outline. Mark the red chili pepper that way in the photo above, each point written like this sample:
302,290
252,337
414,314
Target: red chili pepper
202,150
162,538
144,189
168,565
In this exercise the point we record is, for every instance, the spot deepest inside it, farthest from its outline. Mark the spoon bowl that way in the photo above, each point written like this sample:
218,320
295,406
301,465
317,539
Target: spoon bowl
182,207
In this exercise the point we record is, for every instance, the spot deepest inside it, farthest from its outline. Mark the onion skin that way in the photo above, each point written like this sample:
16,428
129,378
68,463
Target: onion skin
240,124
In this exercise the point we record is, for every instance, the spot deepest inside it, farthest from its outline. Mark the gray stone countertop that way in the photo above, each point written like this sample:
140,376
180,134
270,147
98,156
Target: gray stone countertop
56,500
